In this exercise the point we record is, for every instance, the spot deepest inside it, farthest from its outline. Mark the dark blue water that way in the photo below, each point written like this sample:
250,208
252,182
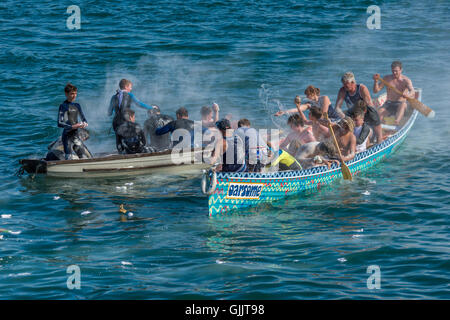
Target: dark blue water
252,57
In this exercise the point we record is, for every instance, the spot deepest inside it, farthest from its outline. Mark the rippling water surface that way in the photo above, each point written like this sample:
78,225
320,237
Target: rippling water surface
252,57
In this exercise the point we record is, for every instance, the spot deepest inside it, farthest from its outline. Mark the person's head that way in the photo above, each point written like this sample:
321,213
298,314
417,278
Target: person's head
346,125
397,69
223,125
130,115
348,81
182,113
71,92
326,149
125,85
312,93
315,113
295,122
358,118
206,113
153,111
244,123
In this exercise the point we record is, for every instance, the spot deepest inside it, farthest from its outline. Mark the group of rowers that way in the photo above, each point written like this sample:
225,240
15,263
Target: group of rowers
235,146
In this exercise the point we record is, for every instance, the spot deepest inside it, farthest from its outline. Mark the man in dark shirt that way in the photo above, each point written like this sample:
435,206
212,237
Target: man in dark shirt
154,121
130,137
182,122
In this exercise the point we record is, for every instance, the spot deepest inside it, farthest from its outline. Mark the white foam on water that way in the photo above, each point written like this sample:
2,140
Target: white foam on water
359,230
126,263
56,198
219,261
15,232
19,274
84,213
366,193
129,183
6,216
357,236
372,182
1,237
342,260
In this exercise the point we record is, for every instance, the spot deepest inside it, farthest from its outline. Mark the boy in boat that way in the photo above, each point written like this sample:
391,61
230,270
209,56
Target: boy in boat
121,101
320,131
299,135
395,103
154,121
255,146
351,93
362,131
131,138
182,122
322,102
68,114
229,150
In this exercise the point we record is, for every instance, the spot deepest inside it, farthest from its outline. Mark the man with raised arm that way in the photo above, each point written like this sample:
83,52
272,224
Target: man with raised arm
395,103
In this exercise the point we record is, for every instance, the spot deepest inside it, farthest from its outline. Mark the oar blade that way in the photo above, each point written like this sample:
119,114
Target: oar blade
423,109
346,174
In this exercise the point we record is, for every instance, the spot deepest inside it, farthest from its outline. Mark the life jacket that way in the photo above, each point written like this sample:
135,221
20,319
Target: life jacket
286,161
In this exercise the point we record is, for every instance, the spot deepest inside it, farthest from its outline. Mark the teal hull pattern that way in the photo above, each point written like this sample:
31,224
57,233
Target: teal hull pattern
257,188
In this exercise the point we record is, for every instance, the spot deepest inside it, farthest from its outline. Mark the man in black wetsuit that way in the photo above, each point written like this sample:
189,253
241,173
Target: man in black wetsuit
68,115
182,122
130,136
154,121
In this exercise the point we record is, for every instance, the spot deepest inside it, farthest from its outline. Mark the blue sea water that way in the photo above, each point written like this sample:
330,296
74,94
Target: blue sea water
251,57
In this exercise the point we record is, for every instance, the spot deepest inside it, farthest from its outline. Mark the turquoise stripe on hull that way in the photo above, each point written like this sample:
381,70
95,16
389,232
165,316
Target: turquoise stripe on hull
277,185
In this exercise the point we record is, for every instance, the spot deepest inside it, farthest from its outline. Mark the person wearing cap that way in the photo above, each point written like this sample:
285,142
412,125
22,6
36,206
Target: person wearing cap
154,121
229,150
351,93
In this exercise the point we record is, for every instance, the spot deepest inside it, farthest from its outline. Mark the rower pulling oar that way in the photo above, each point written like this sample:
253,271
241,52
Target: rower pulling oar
414,103
346,174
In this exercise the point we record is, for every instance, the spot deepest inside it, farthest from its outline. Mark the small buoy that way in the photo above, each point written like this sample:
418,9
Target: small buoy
122,209
342,260
56,198
366,193
130,214
6,216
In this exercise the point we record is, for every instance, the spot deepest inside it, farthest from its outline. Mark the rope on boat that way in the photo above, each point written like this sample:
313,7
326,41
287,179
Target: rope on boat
212,177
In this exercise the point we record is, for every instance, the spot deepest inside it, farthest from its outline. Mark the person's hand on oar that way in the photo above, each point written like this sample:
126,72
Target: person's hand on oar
414,103
346,174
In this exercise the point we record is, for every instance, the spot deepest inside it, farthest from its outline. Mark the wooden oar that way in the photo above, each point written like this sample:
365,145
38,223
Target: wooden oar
416,104
344,168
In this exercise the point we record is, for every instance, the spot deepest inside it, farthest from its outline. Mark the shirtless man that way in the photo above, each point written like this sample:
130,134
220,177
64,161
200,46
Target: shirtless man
351,93
395,103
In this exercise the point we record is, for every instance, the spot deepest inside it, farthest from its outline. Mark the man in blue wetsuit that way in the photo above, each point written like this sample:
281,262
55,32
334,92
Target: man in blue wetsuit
121,101
68,115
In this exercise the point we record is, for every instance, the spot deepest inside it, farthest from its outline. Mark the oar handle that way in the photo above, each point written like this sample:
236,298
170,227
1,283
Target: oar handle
332,133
